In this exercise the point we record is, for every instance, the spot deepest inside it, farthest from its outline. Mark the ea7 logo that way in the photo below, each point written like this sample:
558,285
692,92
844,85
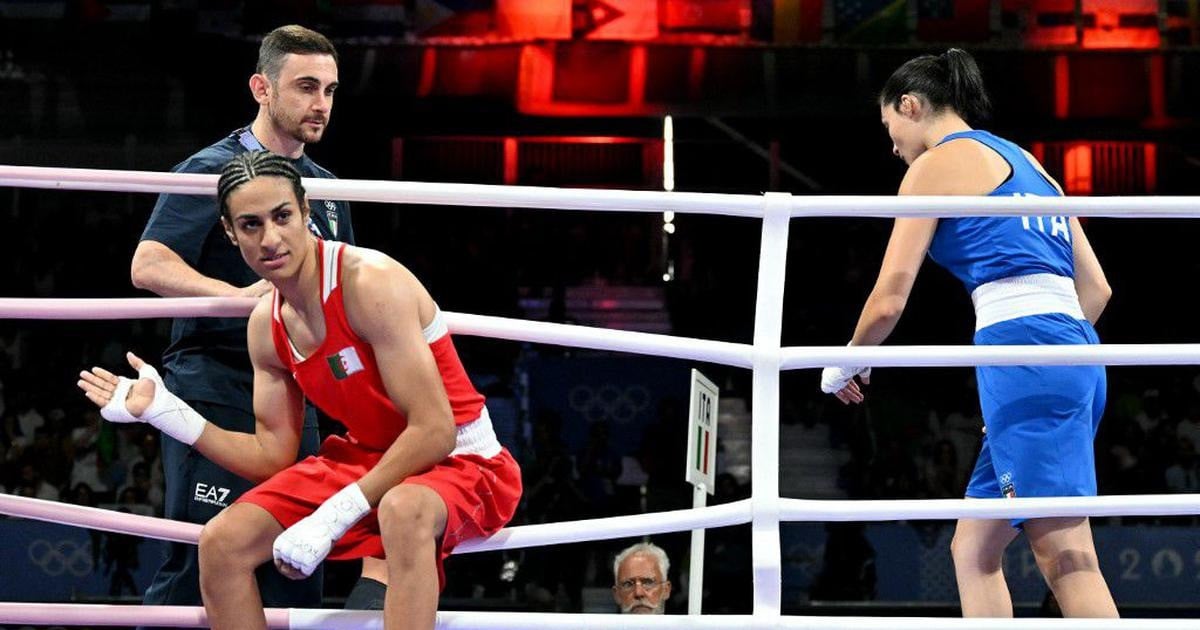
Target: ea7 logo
214,495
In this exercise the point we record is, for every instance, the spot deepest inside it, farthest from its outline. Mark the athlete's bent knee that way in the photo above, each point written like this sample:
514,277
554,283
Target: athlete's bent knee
222,542
407,512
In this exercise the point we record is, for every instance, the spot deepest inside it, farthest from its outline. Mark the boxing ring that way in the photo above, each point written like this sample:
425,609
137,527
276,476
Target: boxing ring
765,357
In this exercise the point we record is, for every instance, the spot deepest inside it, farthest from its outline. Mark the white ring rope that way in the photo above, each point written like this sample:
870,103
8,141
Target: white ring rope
959,356
97,518
822,510
327,619
593,338
124,308
385,191
319,620
398,192
765,509
721,352
735,513
724,515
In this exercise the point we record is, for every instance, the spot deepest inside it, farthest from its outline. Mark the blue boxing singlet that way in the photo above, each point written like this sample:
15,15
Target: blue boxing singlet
1041,420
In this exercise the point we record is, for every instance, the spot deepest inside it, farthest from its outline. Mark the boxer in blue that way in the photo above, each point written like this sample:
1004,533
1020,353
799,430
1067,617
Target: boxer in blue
1033,280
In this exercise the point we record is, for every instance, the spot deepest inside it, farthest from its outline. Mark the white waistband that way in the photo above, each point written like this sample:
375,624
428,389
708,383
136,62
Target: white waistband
477,437
1021,296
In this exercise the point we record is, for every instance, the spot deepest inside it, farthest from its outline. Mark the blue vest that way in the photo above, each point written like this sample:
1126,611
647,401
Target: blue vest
978,250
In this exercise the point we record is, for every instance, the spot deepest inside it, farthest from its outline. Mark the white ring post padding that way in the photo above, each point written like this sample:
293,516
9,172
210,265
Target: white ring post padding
96,518
822,510
724,515
801,357
766,552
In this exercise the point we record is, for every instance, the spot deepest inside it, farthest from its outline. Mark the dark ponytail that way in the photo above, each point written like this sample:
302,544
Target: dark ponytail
951,79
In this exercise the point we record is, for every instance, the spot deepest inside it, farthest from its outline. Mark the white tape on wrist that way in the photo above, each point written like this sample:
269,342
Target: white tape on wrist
168,413
835,379
306,544
344,509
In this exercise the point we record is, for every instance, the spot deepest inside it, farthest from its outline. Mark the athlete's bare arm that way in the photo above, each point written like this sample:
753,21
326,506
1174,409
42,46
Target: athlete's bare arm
388,307
1090,282
278,407
278,411
955,168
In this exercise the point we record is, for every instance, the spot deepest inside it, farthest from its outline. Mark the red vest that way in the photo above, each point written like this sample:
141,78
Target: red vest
341,377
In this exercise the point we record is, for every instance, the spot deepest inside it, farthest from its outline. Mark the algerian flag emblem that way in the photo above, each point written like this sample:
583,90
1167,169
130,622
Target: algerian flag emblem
344,363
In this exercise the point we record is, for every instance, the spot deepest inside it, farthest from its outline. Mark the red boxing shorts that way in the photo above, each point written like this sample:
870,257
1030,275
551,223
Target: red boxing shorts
480,494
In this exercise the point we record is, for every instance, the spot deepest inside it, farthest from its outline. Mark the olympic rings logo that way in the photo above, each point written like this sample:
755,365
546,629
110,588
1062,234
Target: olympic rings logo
65,556
621,404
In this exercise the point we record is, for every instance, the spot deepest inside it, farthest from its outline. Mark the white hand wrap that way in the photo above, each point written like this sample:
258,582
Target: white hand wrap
166,412
305,544
835,379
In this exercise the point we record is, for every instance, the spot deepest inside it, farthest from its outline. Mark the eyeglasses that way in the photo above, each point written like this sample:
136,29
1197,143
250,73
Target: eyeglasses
648,584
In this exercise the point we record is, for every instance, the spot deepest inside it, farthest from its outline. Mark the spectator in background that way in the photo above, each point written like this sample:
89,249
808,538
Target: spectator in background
120,557
12,435
1152,413
144,490
941,477
31,484
29,419
88,467
640,584
1189,426
82,494
1183,475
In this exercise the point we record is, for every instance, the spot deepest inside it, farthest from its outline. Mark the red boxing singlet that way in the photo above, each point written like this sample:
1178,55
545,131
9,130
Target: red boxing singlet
341,377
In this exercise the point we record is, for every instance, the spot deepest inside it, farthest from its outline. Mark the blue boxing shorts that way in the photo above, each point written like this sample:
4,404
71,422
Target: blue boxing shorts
1041,420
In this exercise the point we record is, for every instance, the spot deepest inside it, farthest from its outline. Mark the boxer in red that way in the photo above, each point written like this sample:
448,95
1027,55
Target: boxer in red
419,469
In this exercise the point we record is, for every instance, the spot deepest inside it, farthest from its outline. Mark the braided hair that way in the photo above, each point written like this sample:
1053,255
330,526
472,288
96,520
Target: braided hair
247,166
